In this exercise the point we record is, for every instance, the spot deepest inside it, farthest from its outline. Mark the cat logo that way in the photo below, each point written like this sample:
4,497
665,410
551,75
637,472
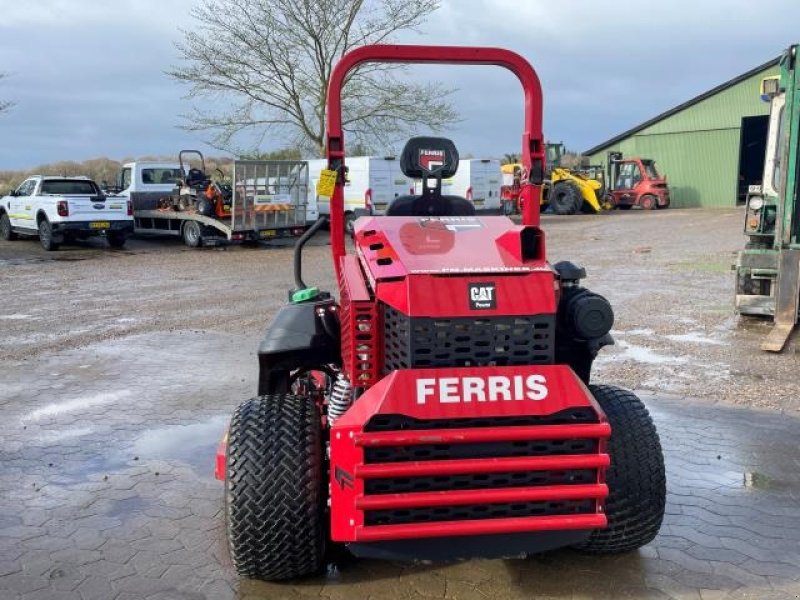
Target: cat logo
482,296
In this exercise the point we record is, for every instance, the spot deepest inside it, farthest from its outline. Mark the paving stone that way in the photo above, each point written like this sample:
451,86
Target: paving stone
138,535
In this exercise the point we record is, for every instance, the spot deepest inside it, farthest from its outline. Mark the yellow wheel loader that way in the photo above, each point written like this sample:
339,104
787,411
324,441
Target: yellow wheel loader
572,191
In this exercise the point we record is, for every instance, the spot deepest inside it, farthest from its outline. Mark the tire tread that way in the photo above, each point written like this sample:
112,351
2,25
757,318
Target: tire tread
636,477
274,488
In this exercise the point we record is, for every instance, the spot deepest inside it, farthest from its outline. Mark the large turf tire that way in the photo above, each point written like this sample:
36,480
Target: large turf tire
636,478
6,231
565,198
275,489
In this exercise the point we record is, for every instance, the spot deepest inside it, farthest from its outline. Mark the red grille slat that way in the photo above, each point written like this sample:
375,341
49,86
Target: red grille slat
361,339
466,436
403,471
447,498
377,533
482,465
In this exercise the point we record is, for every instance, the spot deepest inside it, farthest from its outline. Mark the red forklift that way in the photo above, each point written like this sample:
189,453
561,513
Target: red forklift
636,182
439,405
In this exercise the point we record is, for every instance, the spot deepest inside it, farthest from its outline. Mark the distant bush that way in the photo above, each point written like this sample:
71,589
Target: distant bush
100,169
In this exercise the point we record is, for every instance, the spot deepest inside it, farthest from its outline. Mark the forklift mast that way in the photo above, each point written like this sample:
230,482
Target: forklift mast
768,269
614,159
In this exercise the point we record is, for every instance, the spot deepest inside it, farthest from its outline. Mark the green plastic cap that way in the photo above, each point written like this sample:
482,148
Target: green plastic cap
305,294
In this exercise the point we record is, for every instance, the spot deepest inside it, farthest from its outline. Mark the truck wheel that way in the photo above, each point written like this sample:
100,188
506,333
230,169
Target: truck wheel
274,488
46,237
192,234
565,198
648,202
636,478
116,240
6,232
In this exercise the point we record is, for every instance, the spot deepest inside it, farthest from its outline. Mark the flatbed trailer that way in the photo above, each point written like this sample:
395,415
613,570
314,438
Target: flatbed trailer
269,202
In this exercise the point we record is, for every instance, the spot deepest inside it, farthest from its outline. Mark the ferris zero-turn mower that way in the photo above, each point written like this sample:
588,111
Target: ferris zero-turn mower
441,408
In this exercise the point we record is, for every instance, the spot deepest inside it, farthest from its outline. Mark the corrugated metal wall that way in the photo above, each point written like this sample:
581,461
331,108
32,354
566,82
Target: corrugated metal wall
698,148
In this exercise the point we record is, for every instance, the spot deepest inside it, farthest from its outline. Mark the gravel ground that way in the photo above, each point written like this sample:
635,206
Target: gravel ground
666,273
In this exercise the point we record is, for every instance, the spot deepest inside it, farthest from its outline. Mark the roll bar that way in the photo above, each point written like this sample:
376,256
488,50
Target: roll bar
533,159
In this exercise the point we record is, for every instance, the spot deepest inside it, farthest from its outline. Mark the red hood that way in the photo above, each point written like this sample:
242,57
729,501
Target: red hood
427,266
394,247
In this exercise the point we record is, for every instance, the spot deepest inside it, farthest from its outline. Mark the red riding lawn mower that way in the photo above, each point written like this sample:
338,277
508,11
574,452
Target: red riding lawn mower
196,190
441,408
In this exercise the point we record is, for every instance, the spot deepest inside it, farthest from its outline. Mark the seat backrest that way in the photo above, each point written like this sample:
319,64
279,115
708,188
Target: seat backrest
429,158
195,178
443,206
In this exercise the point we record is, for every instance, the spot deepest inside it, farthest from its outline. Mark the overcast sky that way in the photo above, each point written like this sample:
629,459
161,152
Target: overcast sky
88,75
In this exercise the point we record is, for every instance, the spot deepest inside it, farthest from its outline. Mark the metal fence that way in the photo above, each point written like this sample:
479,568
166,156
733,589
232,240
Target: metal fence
269,194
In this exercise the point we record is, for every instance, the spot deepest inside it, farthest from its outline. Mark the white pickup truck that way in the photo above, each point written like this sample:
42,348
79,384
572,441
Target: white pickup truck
63,209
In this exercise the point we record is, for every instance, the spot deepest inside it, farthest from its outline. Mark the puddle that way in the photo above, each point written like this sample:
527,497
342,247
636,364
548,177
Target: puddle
194,444
106,464
694,337
26,260
15,317
53,437
10,262
67,258
759,481
641,331
127,507
645,355
76,404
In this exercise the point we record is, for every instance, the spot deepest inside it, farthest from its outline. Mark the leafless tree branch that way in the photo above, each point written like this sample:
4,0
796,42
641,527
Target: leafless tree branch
269,61
5,104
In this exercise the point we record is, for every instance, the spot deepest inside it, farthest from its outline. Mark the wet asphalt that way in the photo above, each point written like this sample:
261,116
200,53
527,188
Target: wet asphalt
119,371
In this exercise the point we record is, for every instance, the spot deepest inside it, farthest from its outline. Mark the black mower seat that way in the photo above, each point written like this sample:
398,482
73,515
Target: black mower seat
196,179
430,158
443,206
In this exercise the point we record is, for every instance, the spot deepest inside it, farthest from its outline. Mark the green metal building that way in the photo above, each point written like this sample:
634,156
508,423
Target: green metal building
711,147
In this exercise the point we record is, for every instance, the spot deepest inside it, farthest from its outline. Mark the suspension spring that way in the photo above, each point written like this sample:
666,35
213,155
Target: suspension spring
341,398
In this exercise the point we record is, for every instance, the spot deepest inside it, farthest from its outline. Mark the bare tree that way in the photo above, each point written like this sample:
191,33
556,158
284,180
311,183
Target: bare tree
271,59
5,104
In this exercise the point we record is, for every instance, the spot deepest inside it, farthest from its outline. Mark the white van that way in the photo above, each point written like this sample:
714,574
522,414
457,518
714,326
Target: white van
478,180
372,183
